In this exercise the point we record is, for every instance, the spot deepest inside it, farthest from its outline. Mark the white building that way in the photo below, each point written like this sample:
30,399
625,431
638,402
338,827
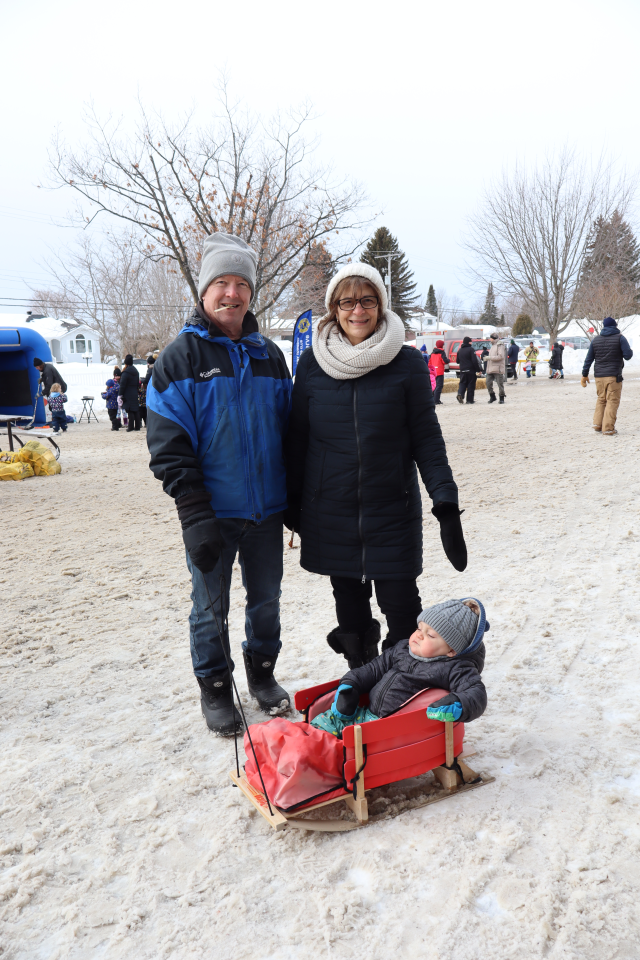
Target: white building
68,340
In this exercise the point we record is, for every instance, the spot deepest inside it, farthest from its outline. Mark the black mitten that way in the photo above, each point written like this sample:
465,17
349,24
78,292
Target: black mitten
200,530
347,700
448,515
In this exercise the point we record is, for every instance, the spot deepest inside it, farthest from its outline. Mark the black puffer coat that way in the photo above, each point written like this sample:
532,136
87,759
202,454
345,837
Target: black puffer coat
556,356
129,382
609,350
396,676
351,451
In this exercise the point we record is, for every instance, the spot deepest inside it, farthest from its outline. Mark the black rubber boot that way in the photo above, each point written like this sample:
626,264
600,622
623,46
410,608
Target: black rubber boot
216,701
357,648
273,699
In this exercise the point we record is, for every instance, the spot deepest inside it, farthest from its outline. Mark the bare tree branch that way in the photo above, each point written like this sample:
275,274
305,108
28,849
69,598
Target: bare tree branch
529,234
175,186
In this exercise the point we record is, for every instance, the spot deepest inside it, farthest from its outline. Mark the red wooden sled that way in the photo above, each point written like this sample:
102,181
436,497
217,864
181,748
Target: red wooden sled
406,744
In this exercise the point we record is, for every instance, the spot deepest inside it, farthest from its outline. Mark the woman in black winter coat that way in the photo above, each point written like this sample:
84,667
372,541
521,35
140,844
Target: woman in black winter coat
362,419
555,363
129,382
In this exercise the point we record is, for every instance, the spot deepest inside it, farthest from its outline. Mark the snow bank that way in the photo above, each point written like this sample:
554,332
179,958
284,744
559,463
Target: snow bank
83,380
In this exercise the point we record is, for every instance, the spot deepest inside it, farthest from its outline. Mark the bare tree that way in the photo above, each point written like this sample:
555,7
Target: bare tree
134,304
530,232
177,184
611,297
450,308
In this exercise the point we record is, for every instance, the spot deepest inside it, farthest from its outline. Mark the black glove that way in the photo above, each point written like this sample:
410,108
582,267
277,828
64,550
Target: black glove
200,530
448,516
291,518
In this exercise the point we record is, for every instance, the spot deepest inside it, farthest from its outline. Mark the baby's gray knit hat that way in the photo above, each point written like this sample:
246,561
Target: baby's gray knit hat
454,621
223,253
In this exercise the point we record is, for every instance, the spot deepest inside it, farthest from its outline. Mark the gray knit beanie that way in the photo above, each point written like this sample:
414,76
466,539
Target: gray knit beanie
454,621
223,253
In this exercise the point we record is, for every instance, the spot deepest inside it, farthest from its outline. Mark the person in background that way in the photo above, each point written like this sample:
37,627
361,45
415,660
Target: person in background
470,367
150,362
129,383
56,400
438,360
609,350
117,372
532,353
111,396
512,358
555,363
483,358
48,376
142,399
496,367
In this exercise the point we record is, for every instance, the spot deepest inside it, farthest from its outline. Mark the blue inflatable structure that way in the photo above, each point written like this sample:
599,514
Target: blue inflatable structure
18,376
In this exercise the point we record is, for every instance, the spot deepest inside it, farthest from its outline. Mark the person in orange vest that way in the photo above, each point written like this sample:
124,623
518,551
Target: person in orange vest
438,360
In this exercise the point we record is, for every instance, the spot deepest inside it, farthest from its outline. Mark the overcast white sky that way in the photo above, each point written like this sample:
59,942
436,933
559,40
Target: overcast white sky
422,102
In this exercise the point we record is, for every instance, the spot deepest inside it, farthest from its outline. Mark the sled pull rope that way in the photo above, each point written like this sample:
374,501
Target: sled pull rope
354,780
226,649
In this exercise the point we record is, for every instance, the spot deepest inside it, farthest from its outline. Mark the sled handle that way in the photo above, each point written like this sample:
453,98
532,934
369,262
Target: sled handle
448,742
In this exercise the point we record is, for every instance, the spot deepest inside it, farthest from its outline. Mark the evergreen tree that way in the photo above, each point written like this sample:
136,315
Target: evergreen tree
523,325
403,296
611,251
431,306
490,314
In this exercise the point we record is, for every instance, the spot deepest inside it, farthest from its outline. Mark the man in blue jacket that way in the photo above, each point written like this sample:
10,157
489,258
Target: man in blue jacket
609,350
218,406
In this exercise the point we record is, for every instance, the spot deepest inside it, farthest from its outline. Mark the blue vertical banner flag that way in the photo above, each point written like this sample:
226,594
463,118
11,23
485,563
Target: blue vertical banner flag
301,338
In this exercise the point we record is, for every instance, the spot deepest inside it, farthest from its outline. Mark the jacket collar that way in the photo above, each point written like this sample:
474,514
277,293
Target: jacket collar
200,324
609,331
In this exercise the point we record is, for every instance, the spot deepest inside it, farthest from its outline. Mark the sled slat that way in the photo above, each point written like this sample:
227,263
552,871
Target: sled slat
277,821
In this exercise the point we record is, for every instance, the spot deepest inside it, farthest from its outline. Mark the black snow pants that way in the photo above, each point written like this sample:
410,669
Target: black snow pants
467,385
399,601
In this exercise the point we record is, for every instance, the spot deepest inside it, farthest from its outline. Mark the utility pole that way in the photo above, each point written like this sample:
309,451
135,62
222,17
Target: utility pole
388,255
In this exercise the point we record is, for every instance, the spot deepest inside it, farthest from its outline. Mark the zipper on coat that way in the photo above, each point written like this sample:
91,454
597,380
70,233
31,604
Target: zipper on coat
355,421
244,430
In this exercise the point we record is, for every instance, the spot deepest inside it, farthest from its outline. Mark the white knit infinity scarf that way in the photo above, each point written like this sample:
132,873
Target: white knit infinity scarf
342,360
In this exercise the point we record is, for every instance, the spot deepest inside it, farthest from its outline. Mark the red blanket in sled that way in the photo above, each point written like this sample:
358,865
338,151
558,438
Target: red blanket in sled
298,763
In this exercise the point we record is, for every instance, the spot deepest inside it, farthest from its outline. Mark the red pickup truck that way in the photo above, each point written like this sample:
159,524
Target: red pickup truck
451,348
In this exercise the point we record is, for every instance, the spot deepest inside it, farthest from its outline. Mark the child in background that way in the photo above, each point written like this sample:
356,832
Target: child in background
111,396
432,374
446,651
57,400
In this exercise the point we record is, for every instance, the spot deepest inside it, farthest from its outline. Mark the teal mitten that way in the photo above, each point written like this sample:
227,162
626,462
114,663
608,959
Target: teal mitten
446,709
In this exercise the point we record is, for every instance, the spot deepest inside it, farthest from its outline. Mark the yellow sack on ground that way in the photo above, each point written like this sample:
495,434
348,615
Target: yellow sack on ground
41,459
15,471
10,456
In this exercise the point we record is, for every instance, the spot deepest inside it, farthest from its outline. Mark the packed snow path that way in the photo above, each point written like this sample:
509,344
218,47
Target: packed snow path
120,833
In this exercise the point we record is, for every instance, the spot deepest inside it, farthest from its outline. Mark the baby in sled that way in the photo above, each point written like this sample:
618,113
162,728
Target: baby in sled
446,651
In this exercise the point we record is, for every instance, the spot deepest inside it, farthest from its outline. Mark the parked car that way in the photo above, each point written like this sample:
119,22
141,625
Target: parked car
452,347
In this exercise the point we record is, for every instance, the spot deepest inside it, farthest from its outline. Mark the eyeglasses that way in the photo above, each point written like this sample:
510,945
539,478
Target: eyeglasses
367,303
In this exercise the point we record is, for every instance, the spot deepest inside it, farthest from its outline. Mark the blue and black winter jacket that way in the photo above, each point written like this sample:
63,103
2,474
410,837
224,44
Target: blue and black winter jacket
217,413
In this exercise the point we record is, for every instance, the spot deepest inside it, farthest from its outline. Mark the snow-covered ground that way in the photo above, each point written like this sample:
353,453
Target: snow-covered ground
120,833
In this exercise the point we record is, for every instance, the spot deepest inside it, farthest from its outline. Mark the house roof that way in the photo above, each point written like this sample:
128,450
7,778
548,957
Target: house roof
47,327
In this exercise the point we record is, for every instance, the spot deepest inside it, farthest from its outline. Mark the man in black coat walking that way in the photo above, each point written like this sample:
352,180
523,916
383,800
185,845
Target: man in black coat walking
48,376
470,367
609,350
129,383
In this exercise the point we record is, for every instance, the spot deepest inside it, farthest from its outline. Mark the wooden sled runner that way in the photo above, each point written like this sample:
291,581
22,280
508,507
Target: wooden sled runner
406,744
